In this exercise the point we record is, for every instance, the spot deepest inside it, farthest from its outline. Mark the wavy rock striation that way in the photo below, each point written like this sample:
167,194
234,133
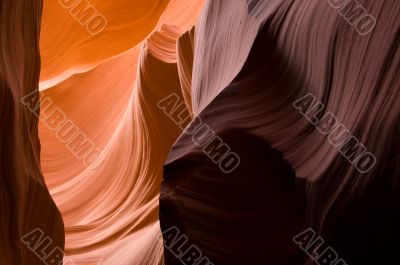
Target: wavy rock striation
252,61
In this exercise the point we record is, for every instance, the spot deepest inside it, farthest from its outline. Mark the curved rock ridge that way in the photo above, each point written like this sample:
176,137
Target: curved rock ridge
78,35
110,208
199,132
112,205
309,103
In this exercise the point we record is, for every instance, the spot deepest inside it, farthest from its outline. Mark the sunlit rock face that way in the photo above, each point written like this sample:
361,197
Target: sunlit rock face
132,125
105,87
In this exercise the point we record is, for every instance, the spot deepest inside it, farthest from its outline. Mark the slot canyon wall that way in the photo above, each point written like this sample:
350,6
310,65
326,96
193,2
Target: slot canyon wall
207,132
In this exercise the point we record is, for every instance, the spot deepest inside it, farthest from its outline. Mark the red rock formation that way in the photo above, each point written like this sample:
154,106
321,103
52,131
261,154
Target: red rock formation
134,80
252,61
25,203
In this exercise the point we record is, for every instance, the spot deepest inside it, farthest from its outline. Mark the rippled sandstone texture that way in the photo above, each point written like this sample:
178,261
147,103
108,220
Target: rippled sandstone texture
239,68
252,60
108,85
100,83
